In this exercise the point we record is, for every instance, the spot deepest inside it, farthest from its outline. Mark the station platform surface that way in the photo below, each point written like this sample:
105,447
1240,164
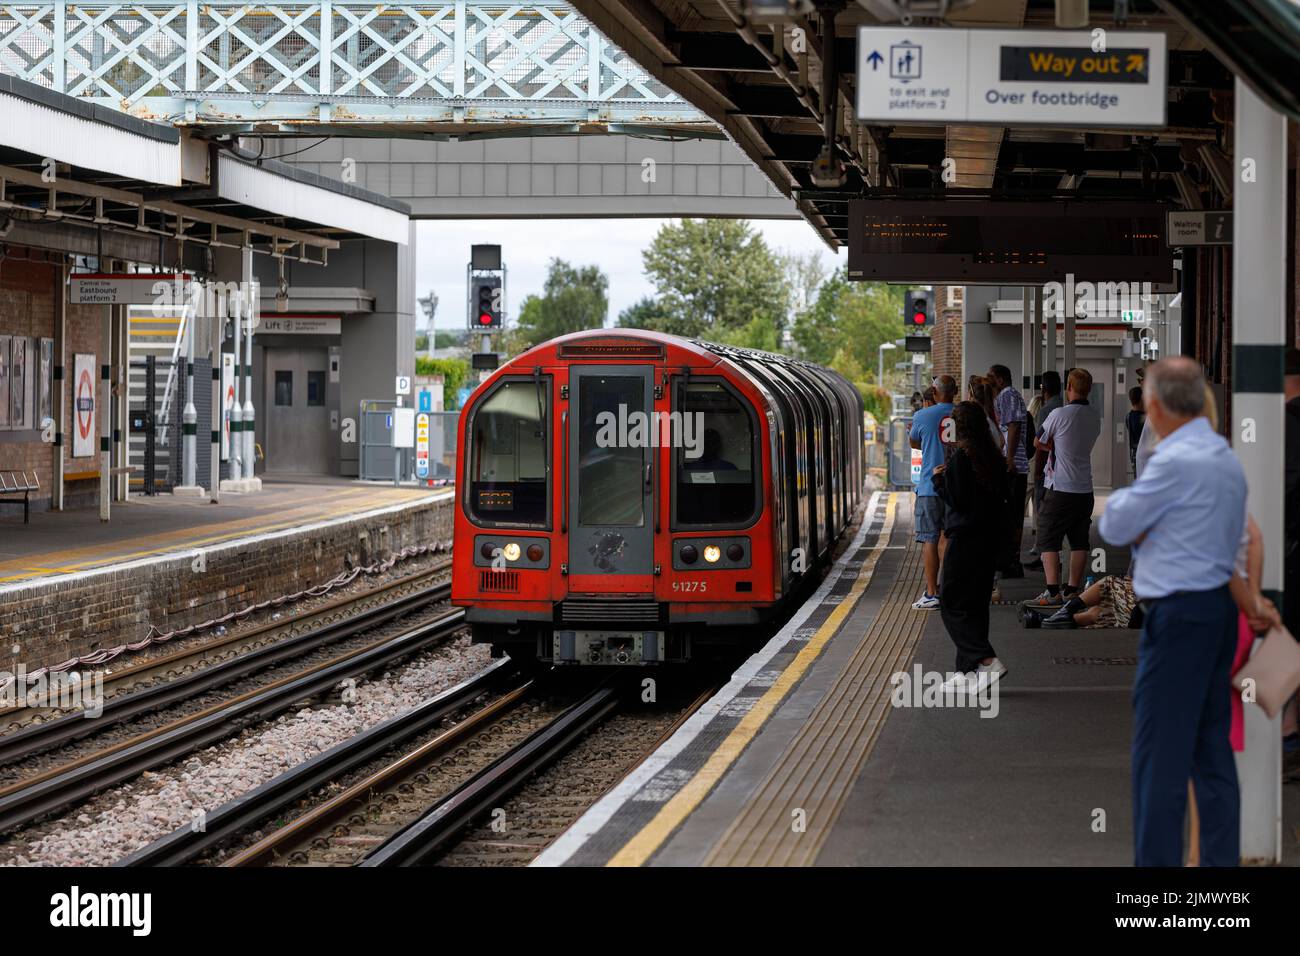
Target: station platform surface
803,759
56,543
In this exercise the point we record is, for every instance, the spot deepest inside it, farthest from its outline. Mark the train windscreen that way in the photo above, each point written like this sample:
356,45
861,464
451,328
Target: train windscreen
715,469
507,455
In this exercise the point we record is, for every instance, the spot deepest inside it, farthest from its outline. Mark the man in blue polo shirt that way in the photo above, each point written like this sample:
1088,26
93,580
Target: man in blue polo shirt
928,434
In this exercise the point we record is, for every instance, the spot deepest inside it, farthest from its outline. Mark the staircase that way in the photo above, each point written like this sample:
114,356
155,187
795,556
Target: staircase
158,332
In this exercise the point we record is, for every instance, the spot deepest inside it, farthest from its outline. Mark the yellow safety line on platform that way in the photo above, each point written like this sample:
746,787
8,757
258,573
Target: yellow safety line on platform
652,836
230,530
820,765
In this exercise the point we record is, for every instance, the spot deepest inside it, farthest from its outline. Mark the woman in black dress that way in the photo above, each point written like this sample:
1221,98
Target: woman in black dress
973,486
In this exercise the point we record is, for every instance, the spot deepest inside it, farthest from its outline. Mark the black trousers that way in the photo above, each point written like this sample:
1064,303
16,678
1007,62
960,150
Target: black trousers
965,588
1014,529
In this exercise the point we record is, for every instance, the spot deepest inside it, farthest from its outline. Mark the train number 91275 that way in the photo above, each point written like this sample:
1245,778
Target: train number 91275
690,586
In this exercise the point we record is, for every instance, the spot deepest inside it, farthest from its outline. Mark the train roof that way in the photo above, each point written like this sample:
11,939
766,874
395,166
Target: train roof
710,352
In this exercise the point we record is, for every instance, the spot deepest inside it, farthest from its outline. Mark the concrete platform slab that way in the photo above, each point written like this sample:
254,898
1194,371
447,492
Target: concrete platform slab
798,762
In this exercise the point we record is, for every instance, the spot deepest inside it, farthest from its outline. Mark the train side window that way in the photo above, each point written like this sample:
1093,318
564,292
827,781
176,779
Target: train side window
508,477
715,463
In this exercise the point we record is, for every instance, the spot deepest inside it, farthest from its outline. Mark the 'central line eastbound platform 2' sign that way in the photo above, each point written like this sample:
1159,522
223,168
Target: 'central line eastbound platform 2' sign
1011,77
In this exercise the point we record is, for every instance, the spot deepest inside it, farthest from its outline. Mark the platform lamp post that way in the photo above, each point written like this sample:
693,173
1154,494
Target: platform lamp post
880,376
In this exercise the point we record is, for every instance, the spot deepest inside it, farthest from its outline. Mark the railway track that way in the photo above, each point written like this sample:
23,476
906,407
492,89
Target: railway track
62,786
278,794
196,651
61,731
424,839
420,803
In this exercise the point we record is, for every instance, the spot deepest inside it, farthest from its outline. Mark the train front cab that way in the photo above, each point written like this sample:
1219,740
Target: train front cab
590,532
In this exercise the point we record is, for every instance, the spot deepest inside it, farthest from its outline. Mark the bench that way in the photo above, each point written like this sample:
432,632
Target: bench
13,483
92,475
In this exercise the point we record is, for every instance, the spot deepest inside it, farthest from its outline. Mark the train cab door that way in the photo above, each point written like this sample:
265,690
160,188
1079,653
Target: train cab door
611,478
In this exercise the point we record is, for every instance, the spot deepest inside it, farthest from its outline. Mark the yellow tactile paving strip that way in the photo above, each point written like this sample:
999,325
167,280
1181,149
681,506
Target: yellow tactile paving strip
653,835
822,763
325,504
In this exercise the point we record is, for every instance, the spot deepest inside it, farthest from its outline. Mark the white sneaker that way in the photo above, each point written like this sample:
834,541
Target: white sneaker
959,683
990,673
926,602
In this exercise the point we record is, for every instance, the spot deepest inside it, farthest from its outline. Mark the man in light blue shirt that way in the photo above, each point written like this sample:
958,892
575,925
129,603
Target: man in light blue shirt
1184,518
927,434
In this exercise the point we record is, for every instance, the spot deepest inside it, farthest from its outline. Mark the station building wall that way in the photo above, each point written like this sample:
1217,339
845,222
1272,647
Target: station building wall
30,283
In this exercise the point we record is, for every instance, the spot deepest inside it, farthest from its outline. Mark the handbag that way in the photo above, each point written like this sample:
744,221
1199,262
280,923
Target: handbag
1273,672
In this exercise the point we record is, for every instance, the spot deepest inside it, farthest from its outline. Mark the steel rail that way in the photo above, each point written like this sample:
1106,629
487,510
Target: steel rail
158,665
422,840
122,707
64,786
187,843
303,828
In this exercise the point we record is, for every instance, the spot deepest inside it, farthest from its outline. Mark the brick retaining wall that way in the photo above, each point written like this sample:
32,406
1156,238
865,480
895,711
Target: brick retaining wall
53,619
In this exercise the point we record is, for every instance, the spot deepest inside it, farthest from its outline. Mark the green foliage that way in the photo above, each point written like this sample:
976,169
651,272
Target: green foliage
572,299
715,279
846,326
645,314
453,372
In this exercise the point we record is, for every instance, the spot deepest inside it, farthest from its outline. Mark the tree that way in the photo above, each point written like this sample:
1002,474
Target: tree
855,316
845,328
572,299
453,372
715,279
644,314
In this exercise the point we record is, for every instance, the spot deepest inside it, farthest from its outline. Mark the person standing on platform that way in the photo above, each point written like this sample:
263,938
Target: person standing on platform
927,434
1010,408
973,487
1133,423
1051,401
1184,519
1068,436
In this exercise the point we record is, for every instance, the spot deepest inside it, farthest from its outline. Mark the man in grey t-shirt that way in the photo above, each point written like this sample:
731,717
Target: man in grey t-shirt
1067,436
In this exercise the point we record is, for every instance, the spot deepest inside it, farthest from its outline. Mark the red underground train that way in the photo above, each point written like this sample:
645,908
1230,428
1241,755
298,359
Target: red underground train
628,497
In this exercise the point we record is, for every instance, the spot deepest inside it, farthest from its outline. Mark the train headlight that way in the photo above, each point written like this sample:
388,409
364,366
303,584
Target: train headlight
535,553
488,550
735,552
688,554
511,551
712,553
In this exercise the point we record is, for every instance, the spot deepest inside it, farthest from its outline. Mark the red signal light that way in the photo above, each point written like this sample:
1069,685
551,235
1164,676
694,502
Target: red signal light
484,318
918,318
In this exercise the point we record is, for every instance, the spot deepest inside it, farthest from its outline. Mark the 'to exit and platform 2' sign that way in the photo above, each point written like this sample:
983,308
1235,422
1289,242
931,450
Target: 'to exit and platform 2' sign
1051,77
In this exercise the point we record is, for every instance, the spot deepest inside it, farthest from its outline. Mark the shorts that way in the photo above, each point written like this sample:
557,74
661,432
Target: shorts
1065,514
929,518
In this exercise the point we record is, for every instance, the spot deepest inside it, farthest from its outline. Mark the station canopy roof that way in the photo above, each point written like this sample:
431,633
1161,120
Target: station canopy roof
88,180
761,83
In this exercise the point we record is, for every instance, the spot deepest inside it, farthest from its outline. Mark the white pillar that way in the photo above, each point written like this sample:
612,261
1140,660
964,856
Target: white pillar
1259,335
105,410
236,446
252,310
216,315
1067,357
60,385
1049,329
190,414
1026,344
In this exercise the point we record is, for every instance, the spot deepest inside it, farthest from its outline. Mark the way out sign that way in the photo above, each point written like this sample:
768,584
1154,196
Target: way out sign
1011,77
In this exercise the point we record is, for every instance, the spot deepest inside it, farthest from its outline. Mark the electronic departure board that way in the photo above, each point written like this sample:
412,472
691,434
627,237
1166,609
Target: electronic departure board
1005,242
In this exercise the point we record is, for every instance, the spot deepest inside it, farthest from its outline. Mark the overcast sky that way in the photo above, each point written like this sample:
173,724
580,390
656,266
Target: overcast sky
527,245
